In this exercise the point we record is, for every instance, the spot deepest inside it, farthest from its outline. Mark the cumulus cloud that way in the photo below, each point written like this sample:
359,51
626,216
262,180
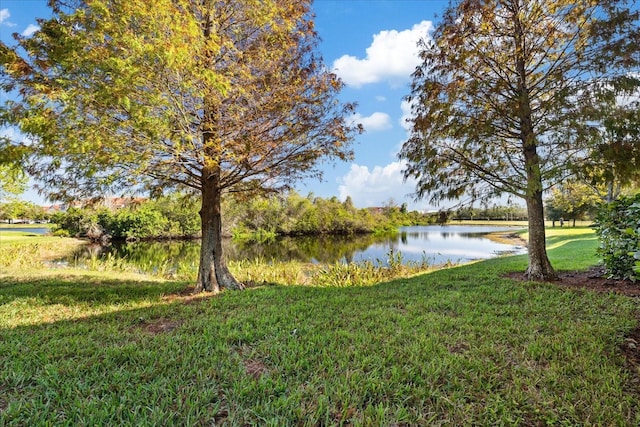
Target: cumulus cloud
11,134
4,16
405,107
375,122
392,56
31,28
14,136
375,187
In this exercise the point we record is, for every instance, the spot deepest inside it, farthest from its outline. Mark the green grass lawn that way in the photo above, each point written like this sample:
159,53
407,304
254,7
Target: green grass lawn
10,236
460,346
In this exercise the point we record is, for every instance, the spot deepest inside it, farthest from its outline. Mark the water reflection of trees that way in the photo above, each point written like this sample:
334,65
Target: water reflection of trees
403,238
416,235
471,236
182,256
322,249
174,255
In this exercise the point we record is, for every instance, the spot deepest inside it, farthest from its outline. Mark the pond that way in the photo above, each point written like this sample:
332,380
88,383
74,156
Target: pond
32,230
417,244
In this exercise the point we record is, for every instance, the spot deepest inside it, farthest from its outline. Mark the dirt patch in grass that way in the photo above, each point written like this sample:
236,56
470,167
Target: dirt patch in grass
159,326
458,348
255,368
592,280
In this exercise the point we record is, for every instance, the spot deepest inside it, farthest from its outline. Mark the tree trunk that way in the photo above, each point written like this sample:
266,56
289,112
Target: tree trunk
539,265
213,273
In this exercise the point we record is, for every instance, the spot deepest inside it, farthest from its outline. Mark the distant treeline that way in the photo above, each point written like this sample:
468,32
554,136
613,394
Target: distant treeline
492,213
259,218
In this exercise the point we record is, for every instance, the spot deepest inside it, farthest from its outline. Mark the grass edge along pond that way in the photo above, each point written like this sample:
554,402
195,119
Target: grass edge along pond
458,346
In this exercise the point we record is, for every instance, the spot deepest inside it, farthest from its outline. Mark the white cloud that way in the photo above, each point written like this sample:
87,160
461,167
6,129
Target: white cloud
14,135
392,56
405,107
4,16
375,187
375,122
30,30
11,133
381,98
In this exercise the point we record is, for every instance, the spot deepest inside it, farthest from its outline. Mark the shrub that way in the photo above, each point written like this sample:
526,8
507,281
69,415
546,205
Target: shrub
76,222
139,223
618,227
61,232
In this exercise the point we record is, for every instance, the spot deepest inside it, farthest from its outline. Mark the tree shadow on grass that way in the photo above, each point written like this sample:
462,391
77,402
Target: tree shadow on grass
69,289
556,241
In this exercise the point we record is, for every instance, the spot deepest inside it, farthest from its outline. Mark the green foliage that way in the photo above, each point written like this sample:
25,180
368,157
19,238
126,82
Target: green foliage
61,232
495,212
500,102
13,180
21,210
294,215
181,210
75,221
166,217
256,219
615,157
142,222
619,233
139,86
572,201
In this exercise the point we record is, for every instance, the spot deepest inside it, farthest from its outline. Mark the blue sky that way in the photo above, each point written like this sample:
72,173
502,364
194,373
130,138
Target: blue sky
371,45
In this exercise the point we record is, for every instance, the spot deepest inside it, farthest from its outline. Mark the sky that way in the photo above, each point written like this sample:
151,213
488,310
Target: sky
372,46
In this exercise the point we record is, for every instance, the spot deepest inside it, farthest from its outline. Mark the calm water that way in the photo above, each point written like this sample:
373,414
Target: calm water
440,244
434,244
33,230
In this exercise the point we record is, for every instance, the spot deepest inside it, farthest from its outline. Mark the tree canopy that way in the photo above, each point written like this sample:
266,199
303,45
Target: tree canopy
509,96
13,181
572,200
614,163
214,96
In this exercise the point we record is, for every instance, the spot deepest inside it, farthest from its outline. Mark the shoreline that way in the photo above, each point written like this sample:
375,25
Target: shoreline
508,238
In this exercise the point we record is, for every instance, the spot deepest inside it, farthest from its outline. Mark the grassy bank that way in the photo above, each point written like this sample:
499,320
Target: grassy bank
461,346
523,224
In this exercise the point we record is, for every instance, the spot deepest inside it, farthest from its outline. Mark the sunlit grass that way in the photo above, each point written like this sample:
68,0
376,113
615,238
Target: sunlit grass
7,237
523,224
571,248
461,346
